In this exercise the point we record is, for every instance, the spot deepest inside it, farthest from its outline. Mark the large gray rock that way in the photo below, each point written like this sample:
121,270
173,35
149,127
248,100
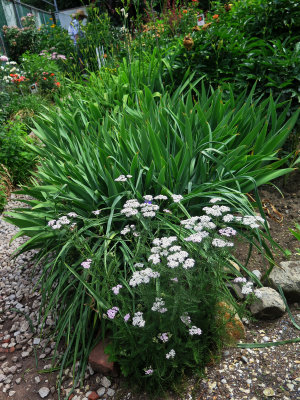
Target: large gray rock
270,304
288,277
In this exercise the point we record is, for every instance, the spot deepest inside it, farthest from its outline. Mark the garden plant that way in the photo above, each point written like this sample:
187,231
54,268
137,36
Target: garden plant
141,172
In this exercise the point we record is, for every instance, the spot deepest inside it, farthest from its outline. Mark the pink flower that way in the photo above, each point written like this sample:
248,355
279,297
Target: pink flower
86,264
61,56
126,317
3,58
111,313
149,371
116,289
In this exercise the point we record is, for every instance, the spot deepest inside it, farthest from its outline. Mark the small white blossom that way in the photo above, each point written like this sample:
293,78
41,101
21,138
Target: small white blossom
138,320
189,263
228,218
138,265
215,200
186,319
171,354
197,237
176,197
160,197
195,331
221,243
158,305
121,178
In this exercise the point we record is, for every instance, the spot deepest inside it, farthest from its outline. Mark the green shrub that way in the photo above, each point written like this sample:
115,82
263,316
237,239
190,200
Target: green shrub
22,39
14,153
195,144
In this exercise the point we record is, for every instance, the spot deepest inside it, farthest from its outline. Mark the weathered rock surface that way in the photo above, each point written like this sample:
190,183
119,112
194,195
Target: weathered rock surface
288,277
270,304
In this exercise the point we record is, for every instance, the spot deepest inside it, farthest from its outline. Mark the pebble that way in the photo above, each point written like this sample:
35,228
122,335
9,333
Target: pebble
110,392
43,392
105,382
37,379
101,391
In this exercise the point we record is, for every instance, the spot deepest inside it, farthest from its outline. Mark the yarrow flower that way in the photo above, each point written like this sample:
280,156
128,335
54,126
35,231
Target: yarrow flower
138,320
215,200
116,289
127,229
227,232
126,317
221,243
86,264
171,354
158,305
111,313
161,197
164,337
72,214
216,210
195,331
176,197
138,265
96,212
240,280
123,178
143,276
186,319
149,371
197,237
247,288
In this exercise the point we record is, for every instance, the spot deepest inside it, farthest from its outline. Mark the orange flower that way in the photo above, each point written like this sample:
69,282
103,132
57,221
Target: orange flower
57,84
184,11
216,16
104,55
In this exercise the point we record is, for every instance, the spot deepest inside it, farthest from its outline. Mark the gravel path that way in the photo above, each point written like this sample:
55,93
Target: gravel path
25,355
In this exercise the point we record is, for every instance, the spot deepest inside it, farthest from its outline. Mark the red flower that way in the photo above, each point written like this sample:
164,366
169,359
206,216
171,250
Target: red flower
57,84
184,11
216,16
45,79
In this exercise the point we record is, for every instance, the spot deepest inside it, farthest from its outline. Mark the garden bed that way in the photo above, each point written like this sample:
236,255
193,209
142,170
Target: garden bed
240,374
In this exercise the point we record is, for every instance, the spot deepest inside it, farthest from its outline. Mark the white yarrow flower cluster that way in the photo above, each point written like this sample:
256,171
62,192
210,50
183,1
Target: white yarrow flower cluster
161,197
216,211
195,331
171,354
123,178
138,320
215,200
186,319
143,276
176,197
149,210
252,221
127,229
247,288
221,243
130,207
64,220
158,305
197,237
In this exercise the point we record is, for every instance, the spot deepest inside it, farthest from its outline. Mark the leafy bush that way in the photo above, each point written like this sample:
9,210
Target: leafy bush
14,153
42,71
5,186
193,144
23,39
